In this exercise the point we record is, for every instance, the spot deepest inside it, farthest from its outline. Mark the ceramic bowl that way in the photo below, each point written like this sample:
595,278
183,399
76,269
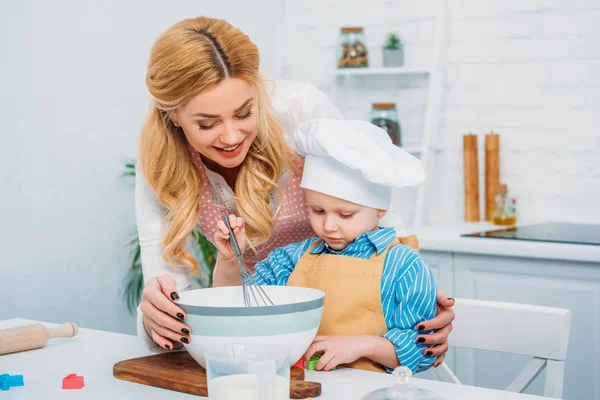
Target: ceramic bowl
217,317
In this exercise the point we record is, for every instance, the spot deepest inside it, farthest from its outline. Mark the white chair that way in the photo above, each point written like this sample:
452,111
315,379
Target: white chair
540,332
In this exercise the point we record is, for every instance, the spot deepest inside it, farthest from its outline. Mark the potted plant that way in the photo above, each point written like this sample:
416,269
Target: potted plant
133,283
393,51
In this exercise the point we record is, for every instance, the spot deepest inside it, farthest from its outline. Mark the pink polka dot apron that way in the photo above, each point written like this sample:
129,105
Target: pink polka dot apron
292,223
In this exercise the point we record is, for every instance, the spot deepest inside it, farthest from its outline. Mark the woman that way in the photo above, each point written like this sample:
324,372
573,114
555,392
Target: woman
216,141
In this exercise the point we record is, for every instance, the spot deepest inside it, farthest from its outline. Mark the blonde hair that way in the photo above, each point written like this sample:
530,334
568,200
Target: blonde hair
190,58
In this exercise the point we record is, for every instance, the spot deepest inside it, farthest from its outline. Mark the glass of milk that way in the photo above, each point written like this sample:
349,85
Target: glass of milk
248,372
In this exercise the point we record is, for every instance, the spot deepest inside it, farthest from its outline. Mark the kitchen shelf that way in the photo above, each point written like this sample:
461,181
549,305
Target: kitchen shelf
434,75
381,71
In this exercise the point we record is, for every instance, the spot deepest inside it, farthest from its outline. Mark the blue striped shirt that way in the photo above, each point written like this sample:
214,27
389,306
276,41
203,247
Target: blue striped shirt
408,290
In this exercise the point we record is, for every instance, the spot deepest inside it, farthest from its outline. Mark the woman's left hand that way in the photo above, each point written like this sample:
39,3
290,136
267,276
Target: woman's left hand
442,324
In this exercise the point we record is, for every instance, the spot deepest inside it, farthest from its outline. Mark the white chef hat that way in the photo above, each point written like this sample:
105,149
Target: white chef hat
355,161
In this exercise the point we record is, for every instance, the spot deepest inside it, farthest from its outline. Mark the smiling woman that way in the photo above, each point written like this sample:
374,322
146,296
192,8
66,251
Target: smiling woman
206,91
214,139
217,140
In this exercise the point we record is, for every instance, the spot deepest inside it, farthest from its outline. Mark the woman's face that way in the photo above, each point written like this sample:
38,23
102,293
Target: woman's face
221,123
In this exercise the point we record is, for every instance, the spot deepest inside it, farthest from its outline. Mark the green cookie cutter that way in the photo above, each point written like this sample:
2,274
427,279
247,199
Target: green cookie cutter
312,363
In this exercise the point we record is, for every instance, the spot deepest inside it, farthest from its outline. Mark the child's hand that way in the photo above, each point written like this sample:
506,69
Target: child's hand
336,350
221,239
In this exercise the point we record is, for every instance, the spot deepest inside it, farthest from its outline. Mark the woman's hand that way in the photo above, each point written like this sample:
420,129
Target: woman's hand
222,240
442,324
163,320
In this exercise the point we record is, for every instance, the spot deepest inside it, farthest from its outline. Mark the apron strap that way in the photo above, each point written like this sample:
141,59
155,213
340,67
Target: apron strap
411,241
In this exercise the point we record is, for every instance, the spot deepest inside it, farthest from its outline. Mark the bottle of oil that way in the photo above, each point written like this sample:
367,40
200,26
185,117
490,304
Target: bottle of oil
505,207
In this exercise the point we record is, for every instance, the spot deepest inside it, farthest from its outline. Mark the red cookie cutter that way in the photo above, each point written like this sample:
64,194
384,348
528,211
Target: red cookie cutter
72,381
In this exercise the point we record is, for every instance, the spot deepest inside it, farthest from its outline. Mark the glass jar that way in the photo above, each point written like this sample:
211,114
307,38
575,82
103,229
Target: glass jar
505,207
248,371
353,49
385,116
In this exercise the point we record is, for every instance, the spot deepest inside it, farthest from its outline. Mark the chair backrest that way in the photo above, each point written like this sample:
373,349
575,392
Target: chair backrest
540,332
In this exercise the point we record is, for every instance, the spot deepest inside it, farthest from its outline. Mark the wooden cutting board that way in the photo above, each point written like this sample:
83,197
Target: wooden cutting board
180,372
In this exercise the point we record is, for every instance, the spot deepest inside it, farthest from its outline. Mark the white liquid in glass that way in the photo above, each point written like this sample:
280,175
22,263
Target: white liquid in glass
244,387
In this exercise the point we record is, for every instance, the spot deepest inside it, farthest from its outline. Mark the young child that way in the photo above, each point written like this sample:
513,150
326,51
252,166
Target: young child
377,290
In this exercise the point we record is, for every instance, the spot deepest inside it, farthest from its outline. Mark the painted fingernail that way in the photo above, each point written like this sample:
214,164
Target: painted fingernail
167,347
184,340
429,353
174,296
421,327
180,316
185,331
421,340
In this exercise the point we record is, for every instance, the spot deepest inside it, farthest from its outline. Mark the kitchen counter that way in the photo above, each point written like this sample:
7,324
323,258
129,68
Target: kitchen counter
548,274
93,353
446,238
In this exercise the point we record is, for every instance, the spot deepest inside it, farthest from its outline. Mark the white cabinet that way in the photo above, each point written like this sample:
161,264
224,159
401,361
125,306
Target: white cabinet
572,285
440,264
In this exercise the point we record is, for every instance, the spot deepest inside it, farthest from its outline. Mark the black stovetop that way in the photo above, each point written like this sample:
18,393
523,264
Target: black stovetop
560,232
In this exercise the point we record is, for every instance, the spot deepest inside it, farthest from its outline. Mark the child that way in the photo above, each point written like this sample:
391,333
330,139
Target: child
377,290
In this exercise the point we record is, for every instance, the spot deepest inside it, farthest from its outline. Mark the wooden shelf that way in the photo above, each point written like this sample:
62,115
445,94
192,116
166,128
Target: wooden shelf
381,71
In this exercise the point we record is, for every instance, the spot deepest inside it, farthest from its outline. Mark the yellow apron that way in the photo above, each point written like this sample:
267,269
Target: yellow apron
352,289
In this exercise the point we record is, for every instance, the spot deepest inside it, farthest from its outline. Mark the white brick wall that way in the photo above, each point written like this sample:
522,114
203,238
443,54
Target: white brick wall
527,69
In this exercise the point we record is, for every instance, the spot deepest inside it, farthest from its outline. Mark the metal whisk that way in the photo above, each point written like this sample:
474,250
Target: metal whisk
254,295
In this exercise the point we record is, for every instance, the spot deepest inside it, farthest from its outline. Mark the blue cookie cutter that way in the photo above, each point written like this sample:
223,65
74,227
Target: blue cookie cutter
7,381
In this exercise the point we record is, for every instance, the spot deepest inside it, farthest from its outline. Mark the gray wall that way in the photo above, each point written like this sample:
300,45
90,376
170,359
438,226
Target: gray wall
72,104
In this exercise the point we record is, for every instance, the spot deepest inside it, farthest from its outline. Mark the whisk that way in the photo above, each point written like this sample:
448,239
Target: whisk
251,290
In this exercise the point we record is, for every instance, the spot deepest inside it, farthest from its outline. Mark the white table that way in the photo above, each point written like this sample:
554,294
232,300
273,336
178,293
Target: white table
93,353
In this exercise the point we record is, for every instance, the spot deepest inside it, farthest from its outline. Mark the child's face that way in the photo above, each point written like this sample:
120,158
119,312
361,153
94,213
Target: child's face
338,222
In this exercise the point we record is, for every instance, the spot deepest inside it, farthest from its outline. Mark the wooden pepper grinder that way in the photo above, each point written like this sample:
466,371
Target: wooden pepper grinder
32,336
492,172
471,178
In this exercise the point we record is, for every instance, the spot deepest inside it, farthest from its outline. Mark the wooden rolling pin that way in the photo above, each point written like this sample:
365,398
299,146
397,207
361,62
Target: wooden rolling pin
34,336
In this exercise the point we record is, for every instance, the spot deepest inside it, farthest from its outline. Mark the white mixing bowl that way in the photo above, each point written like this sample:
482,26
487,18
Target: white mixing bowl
217,316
